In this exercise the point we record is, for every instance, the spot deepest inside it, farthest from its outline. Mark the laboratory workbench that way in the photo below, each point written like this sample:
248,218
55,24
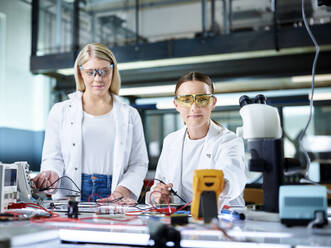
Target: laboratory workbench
259,229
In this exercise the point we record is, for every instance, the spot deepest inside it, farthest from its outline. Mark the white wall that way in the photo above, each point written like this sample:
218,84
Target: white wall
2,64
24,97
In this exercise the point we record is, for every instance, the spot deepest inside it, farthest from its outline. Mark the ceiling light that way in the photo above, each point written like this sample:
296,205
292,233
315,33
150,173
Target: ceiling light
322,96
165,105
66,72
149,90
227,101
215,58
308,78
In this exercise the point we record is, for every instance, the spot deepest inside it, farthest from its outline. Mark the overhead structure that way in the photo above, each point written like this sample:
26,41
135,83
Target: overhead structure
234,39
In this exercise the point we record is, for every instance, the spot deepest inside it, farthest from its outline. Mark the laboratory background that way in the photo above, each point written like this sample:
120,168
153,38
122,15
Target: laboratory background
247,47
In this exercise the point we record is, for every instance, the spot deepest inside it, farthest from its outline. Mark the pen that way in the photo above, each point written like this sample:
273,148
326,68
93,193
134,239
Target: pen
233,214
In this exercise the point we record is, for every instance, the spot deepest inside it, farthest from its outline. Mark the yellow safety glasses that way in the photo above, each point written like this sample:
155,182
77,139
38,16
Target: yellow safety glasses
202,100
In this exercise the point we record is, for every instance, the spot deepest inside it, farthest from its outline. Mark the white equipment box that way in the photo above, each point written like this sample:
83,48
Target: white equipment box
8,185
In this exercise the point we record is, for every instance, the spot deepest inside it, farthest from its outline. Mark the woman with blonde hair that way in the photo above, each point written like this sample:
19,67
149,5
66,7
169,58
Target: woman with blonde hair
94,138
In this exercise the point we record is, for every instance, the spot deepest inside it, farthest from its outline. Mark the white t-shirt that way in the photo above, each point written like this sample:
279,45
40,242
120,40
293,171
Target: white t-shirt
191,155
98,135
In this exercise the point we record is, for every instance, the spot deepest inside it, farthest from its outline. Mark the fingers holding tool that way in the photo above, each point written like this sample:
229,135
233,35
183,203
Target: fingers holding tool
45,179
161,193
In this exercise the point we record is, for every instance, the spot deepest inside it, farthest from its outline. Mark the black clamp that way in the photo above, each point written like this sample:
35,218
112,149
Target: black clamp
73,209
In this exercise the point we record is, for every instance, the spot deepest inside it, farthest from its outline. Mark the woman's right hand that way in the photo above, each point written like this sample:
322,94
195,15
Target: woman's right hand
45,179
161,193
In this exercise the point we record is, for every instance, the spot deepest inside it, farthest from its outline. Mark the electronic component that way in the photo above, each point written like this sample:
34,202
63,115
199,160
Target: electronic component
24,182
229,215
73,209
298,204
110,208
8,185
207,186
179,219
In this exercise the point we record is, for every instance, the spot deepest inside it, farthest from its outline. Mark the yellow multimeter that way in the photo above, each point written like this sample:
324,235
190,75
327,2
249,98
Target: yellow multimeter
207,186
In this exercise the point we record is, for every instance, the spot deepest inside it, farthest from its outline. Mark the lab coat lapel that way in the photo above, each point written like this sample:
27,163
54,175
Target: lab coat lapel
76,117
176,154
121,131
207,156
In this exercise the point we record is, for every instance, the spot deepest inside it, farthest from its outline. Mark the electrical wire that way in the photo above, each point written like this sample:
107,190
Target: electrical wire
153,206
110,218
147,187
319,220
34,205
76,191
171,190
139,208
312,87
183,207
91,196
60,178
275,29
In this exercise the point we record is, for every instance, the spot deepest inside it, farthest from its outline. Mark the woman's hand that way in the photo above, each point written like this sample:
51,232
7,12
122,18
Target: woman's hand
121,196
45,179
161,193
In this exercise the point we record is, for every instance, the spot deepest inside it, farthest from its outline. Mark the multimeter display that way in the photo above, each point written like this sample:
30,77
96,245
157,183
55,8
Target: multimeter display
10,177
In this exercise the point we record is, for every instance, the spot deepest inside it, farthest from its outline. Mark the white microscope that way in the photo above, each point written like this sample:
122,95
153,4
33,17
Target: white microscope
262,130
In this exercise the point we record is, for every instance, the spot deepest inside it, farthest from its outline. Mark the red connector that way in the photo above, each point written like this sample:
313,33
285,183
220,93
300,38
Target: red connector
14,205
168,211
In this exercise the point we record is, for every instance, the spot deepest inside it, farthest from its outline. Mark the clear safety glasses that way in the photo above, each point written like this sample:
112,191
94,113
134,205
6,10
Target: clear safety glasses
101,72
201,100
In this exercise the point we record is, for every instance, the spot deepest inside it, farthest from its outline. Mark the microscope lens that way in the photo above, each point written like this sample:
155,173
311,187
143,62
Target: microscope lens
260,99
244,100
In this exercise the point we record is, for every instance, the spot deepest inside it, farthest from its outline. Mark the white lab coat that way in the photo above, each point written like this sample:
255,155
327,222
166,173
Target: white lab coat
62,150
222,150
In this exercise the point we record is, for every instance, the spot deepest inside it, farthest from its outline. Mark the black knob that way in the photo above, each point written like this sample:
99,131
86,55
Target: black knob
260,99
244,100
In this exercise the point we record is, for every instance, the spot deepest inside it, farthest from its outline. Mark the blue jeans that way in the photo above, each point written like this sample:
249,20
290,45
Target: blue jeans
95,186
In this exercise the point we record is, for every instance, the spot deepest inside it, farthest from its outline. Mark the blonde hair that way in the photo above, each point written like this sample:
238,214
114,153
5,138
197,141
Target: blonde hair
99,51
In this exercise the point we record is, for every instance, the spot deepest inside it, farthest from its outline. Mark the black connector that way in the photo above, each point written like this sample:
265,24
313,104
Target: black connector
179,219
73,209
